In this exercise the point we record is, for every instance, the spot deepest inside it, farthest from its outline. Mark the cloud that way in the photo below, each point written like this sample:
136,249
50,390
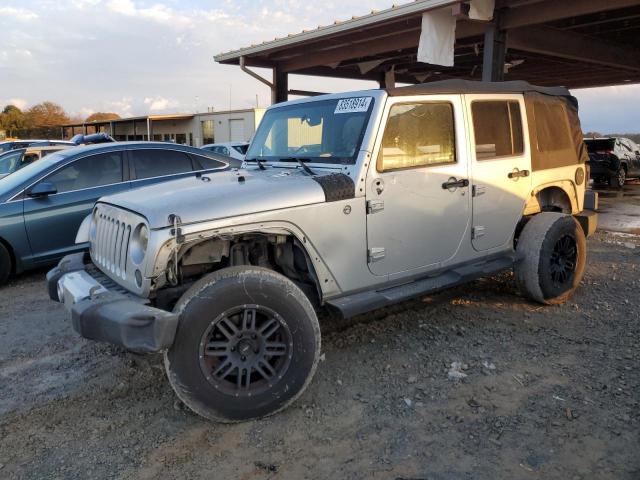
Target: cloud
160,103
17,13
21,103
157,12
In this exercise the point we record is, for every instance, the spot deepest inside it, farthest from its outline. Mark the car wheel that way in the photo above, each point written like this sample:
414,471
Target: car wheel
552,254
247,344
6,265
619,178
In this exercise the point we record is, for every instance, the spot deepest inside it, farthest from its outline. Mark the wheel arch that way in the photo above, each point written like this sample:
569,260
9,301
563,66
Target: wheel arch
561,197
16,266
324,281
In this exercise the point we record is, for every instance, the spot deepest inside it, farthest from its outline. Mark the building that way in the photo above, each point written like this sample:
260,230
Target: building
195,129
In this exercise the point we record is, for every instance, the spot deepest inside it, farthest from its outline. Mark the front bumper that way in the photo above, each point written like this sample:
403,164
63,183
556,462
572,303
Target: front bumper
106,314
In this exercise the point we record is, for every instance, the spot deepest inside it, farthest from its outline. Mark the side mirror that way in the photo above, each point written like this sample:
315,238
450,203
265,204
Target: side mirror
42,189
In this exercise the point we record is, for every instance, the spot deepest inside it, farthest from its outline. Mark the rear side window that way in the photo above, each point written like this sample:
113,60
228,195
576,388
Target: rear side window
552,128
157,163
418,135
241,149
87,172
498,129
207,162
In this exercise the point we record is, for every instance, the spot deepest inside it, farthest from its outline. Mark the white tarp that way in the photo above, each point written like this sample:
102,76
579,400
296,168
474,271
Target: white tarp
437,37
481,9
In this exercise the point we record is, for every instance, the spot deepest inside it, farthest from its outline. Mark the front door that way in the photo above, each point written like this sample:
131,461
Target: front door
417,191
52,222
501,167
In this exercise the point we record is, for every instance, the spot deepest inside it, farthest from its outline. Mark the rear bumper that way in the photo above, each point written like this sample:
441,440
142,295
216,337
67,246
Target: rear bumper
588,218
104,315
603,168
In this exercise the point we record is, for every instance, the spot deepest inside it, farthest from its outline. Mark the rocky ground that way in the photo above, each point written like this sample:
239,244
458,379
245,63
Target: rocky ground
472,383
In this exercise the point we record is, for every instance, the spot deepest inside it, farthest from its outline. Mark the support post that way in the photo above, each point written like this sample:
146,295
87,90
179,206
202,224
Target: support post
280,88
495,50
149,138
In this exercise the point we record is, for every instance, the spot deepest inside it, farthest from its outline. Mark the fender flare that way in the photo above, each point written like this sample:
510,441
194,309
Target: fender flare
326,283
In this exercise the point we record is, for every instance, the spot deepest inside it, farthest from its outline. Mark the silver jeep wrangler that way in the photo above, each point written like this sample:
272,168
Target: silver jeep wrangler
349,202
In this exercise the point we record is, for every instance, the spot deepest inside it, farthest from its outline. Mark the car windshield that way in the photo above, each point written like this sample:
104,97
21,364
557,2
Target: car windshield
9,161
325,131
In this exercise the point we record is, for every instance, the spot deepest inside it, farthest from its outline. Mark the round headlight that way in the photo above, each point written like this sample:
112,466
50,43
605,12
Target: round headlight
579,176
139,241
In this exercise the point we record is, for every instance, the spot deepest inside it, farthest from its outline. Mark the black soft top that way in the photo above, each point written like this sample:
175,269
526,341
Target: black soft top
468,86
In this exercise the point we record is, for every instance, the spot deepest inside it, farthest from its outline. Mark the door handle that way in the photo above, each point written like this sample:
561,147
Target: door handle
518,173
455,183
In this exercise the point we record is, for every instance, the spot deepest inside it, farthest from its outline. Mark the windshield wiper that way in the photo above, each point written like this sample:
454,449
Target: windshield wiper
300,161
258,161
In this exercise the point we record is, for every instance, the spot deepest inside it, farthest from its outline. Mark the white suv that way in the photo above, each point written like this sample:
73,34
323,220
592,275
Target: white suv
349,201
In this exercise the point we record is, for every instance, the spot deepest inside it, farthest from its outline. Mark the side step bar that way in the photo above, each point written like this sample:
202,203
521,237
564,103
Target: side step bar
364,302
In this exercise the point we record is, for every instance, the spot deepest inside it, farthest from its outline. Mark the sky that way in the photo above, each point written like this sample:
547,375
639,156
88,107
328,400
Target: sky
134,57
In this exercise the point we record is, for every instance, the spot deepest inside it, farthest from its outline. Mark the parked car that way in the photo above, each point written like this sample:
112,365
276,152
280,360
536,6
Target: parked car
43,204
92,139
13,144
13,160
235,150
613,160
396,193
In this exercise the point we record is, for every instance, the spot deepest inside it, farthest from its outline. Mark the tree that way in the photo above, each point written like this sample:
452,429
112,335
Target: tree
47,114
102,117
12,119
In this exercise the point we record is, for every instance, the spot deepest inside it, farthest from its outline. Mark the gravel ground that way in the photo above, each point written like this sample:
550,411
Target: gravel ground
540,392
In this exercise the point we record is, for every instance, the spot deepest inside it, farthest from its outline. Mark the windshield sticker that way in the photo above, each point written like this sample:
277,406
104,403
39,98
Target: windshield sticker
353,105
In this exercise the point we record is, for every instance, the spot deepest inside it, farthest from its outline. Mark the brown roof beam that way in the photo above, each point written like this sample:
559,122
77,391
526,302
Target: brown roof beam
573,46
552,10
371,47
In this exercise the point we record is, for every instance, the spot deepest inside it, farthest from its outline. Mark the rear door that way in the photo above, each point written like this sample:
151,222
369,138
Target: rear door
418,205
500,166
53,221
149,166
633,161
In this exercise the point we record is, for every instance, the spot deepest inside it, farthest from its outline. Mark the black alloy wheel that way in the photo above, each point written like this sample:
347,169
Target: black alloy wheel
246,350
563,260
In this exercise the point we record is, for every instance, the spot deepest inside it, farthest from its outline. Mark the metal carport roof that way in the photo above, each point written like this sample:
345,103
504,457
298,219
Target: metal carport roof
575,43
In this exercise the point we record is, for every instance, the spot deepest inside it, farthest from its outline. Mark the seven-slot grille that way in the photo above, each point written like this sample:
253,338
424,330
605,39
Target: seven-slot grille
110,249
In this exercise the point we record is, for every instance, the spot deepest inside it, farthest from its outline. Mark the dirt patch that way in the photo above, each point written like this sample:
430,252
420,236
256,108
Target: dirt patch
546,392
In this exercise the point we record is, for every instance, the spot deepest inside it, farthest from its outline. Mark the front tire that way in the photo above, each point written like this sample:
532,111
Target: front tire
6,265
552,255
247,345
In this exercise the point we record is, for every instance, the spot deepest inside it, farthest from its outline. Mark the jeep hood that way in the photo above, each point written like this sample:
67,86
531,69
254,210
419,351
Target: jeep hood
220,195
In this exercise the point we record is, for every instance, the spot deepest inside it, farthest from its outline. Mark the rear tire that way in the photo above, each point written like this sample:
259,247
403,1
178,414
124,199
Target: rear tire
6,265
247,345
619,178
552,252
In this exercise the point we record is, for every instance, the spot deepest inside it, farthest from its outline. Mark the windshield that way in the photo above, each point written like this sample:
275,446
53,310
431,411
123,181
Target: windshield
9,161
328,131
